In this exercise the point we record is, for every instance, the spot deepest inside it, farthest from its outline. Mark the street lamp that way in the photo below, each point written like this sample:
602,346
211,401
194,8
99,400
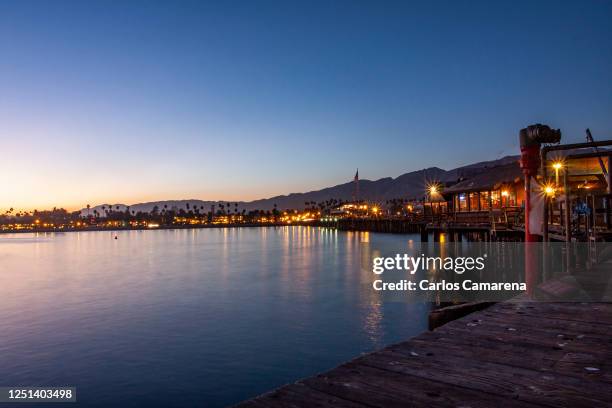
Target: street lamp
432,189
558,165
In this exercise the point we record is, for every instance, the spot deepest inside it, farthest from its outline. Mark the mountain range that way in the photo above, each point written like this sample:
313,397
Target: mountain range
408,185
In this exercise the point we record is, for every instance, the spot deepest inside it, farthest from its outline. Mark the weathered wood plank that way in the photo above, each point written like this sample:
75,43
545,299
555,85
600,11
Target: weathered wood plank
490,378
384,388
546,321
534,331
598,313
530,336
531,356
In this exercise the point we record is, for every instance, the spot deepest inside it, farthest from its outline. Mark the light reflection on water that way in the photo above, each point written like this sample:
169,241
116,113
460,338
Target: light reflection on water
203,317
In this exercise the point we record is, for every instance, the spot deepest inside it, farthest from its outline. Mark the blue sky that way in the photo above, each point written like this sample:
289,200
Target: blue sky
134,101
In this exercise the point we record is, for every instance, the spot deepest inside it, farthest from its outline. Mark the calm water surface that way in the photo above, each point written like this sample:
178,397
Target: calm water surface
190,318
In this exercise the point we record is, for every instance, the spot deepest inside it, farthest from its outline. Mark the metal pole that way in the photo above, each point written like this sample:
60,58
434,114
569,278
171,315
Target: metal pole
568,226
543,163
528,236
607,214
529,164
568,223
530,254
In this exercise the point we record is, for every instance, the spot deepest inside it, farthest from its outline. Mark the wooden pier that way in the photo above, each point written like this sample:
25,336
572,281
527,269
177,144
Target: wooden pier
513,354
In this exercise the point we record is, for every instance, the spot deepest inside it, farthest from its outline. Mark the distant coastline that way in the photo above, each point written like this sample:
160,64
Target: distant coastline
161,227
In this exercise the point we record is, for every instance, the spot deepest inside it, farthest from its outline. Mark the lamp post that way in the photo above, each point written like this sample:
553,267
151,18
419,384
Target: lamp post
432,190
557,166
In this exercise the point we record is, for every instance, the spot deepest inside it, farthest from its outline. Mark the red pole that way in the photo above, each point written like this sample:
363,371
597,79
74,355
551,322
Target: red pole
531,139
530,161
528,236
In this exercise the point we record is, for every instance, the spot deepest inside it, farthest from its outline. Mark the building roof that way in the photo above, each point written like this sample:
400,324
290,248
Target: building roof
489,179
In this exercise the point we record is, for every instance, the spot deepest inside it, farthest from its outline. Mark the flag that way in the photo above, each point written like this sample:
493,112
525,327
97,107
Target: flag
356,176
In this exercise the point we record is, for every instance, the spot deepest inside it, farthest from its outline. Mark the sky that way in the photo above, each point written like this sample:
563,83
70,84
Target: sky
135,101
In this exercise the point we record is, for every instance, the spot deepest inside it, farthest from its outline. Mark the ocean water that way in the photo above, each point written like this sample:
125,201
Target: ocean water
186,318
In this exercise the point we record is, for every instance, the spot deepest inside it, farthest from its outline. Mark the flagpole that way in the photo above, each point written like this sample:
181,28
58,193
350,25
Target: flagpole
356,188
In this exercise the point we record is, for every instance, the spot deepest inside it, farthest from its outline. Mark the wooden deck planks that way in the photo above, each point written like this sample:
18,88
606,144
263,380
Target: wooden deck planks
514,354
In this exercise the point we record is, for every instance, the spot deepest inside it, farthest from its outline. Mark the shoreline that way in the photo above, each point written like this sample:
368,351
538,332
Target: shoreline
161,227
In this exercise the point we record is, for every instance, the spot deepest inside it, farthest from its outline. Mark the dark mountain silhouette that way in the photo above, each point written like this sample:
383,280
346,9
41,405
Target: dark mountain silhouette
410,185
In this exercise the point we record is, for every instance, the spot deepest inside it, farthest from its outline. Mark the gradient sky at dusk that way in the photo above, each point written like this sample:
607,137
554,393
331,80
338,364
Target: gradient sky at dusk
136,101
